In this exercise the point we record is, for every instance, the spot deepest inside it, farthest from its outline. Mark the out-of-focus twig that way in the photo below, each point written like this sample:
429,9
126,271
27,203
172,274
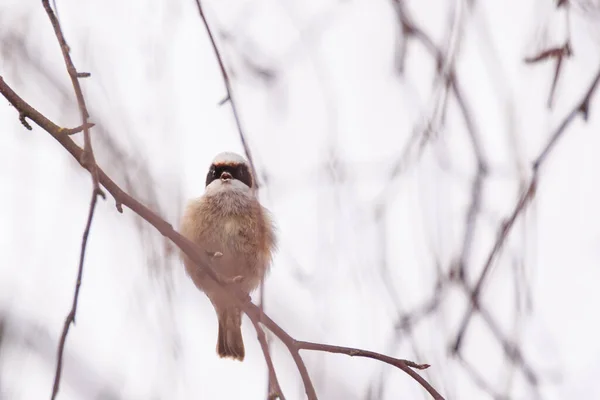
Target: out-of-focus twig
559,54
447,73
480,381
581,107
198,256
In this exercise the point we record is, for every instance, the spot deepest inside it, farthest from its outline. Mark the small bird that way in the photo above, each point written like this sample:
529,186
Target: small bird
230,224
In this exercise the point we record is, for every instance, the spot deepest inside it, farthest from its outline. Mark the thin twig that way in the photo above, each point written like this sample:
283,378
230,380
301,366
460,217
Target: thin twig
274,390
229,96
87,158
404,365
71,316
88,154
199,256
559,54
78,129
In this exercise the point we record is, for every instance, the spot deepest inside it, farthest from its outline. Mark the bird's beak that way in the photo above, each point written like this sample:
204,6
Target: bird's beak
226,176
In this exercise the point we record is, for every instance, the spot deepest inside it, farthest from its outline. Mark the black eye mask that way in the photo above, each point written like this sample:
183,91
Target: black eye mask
237,171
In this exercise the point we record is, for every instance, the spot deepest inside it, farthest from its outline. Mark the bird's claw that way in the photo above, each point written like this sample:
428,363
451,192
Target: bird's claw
214,254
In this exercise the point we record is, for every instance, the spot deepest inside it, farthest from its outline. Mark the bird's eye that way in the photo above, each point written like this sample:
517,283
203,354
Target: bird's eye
212,175
243,174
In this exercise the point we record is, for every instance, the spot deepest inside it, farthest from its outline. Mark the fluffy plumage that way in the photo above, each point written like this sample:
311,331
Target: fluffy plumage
228,219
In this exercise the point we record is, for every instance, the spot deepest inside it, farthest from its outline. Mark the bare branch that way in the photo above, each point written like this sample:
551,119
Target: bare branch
274,389
199,256
581,107
88,154
71,316
559,54
229,98
88,159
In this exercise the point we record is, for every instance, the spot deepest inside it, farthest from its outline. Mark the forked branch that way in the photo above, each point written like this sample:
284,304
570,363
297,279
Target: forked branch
199,256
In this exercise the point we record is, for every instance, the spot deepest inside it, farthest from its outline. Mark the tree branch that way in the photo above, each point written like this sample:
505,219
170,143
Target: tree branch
198,256
71,316
229,96
274,390
88,153
581,107
87,158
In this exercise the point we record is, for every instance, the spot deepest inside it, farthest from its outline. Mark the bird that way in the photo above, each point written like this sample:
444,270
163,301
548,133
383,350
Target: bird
238,233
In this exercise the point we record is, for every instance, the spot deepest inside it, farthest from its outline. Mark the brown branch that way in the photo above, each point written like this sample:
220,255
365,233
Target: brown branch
274,390
197,255
88,159
23,120
404,365
78,129
559,54
71,316
88,153
554,52
229,96
581,107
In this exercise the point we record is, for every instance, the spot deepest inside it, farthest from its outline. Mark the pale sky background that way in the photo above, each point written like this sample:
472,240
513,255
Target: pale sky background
326,129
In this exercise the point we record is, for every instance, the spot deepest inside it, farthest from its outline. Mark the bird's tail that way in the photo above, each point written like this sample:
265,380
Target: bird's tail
230,343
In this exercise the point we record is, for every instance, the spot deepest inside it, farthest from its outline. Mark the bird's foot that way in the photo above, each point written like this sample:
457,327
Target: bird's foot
214,254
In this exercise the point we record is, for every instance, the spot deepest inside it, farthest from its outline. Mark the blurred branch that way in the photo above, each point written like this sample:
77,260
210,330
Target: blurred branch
480,381
581,107
229,96
446,71
556,53
83,377
200,257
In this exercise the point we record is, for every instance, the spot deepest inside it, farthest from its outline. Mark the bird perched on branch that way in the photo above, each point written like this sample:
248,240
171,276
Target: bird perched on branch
230,224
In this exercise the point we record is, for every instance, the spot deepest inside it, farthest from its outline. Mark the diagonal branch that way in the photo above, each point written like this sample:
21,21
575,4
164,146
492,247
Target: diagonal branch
201,259
581,107
274,389
71,316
